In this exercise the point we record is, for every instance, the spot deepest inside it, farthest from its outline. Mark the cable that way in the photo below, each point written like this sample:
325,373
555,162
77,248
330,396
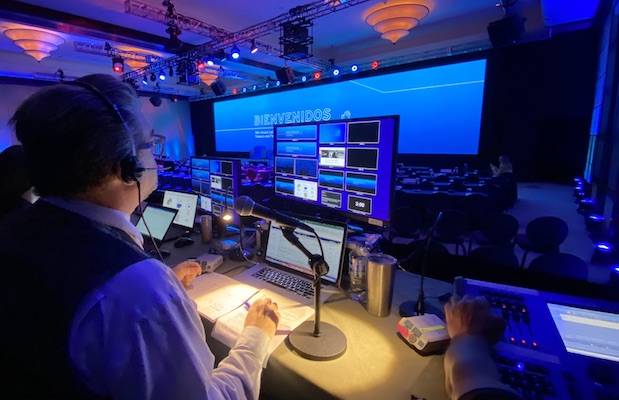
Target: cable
145,224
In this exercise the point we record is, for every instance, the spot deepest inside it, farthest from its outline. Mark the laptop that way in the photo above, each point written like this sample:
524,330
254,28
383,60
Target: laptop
286,270
159,220
186,204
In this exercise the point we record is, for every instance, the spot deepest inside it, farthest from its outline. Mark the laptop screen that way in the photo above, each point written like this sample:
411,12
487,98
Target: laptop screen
185,203
282,254
158,220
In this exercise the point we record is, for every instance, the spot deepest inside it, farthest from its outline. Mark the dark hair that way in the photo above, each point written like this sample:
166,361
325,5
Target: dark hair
73,140
13,177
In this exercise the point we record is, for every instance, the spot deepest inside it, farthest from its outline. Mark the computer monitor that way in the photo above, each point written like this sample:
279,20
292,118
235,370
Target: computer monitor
347,165
185,203
217,182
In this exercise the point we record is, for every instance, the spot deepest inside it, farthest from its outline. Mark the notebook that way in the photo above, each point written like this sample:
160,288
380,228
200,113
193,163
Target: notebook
286,270
158,220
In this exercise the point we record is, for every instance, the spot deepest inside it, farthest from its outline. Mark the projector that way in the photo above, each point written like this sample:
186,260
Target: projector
426,334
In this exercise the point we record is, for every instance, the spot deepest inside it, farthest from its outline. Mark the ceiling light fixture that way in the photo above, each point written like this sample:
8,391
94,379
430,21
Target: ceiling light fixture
254,48
161,75
37,44
118,64
394,18
235,52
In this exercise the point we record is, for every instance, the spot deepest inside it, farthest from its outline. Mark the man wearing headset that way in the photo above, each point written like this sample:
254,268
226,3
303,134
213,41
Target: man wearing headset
87,314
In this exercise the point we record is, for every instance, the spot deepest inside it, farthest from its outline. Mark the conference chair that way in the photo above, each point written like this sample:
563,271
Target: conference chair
497,229
543,235
406,222
476,207
562,264
494,256
451,229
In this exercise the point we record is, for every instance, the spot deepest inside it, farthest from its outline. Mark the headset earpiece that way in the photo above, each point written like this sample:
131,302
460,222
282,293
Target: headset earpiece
131,169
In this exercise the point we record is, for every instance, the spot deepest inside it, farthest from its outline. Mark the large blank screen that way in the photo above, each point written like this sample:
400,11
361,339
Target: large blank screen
440,110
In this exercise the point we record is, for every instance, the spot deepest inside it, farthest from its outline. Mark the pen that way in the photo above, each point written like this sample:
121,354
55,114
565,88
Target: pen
247,305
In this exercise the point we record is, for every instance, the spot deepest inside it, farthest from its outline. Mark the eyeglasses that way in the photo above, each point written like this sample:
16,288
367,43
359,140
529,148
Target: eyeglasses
155,143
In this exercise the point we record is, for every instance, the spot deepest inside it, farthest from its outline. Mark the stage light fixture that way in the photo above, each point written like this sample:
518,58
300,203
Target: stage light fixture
153,77
277,83
354,68
161,75
118,64
244,89
144,81
336,71
375,65
209,61
235,91
317,75
200,65
235,52
254,48
254,87
303,78
221,55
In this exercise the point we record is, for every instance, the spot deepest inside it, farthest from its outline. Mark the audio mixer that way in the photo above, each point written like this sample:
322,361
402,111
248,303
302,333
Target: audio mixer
555,346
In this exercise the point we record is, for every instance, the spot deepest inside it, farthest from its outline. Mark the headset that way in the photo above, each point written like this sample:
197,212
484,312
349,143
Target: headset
131,168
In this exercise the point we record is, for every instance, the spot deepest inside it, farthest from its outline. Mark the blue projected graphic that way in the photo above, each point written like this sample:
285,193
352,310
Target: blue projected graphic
201,163
332,133
215,166
201,174
296,149
440,109
284,165
305,167
307,132
331,179
362,183
284,185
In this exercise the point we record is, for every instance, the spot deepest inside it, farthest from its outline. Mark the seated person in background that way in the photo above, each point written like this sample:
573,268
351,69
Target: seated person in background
505,166
470,372
92,315
16,191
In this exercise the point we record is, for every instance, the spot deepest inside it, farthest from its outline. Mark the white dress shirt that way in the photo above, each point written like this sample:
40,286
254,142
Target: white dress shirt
139,336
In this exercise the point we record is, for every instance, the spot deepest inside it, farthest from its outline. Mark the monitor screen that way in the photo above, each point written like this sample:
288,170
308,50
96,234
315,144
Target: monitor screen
217,181
587,332
332,236
185,203
158,221
339,166
440,110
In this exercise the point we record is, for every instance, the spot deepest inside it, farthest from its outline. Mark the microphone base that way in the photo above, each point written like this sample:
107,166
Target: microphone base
409,309
331,343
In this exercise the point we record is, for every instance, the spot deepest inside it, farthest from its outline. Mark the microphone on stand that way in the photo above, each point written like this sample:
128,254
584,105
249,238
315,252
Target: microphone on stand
246,207
410,308
312,340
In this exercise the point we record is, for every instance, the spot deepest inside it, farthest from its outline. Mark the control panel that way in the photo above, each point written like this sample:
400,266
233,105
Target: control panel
555,346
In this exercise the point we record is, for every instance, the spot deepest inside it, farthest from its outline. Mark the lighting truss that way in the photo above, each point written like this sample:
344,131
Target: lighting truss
218,40
103,51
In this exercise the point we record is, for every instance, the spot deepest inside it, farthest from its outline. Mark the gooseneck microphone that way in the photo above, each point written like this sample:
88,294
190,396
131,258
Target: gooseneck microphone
409,308
246,207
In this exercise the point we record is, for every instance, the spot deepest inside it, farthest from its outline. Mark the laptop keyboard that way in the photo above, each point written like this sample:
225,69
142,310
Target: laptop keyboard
286,281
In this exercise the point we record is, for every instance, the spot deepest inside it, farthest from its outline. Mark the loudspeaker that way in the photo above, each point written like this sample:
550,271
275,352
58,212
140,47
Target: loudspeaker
155,100
218,87
285,75
506,31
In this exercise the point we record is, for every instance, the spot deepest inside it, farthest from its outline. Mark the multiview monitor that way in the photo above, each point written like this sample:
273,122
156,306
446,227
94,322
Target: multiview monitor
217,181
346,165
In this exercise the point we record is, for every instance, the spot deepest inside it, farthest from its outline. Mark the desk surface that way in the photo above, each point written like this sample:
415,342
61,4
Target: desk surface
377,364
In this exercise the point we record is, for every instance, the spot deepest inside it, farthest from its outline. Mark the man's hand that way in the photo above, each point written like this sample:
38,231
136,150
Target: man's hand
264,315
472,316
186,272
